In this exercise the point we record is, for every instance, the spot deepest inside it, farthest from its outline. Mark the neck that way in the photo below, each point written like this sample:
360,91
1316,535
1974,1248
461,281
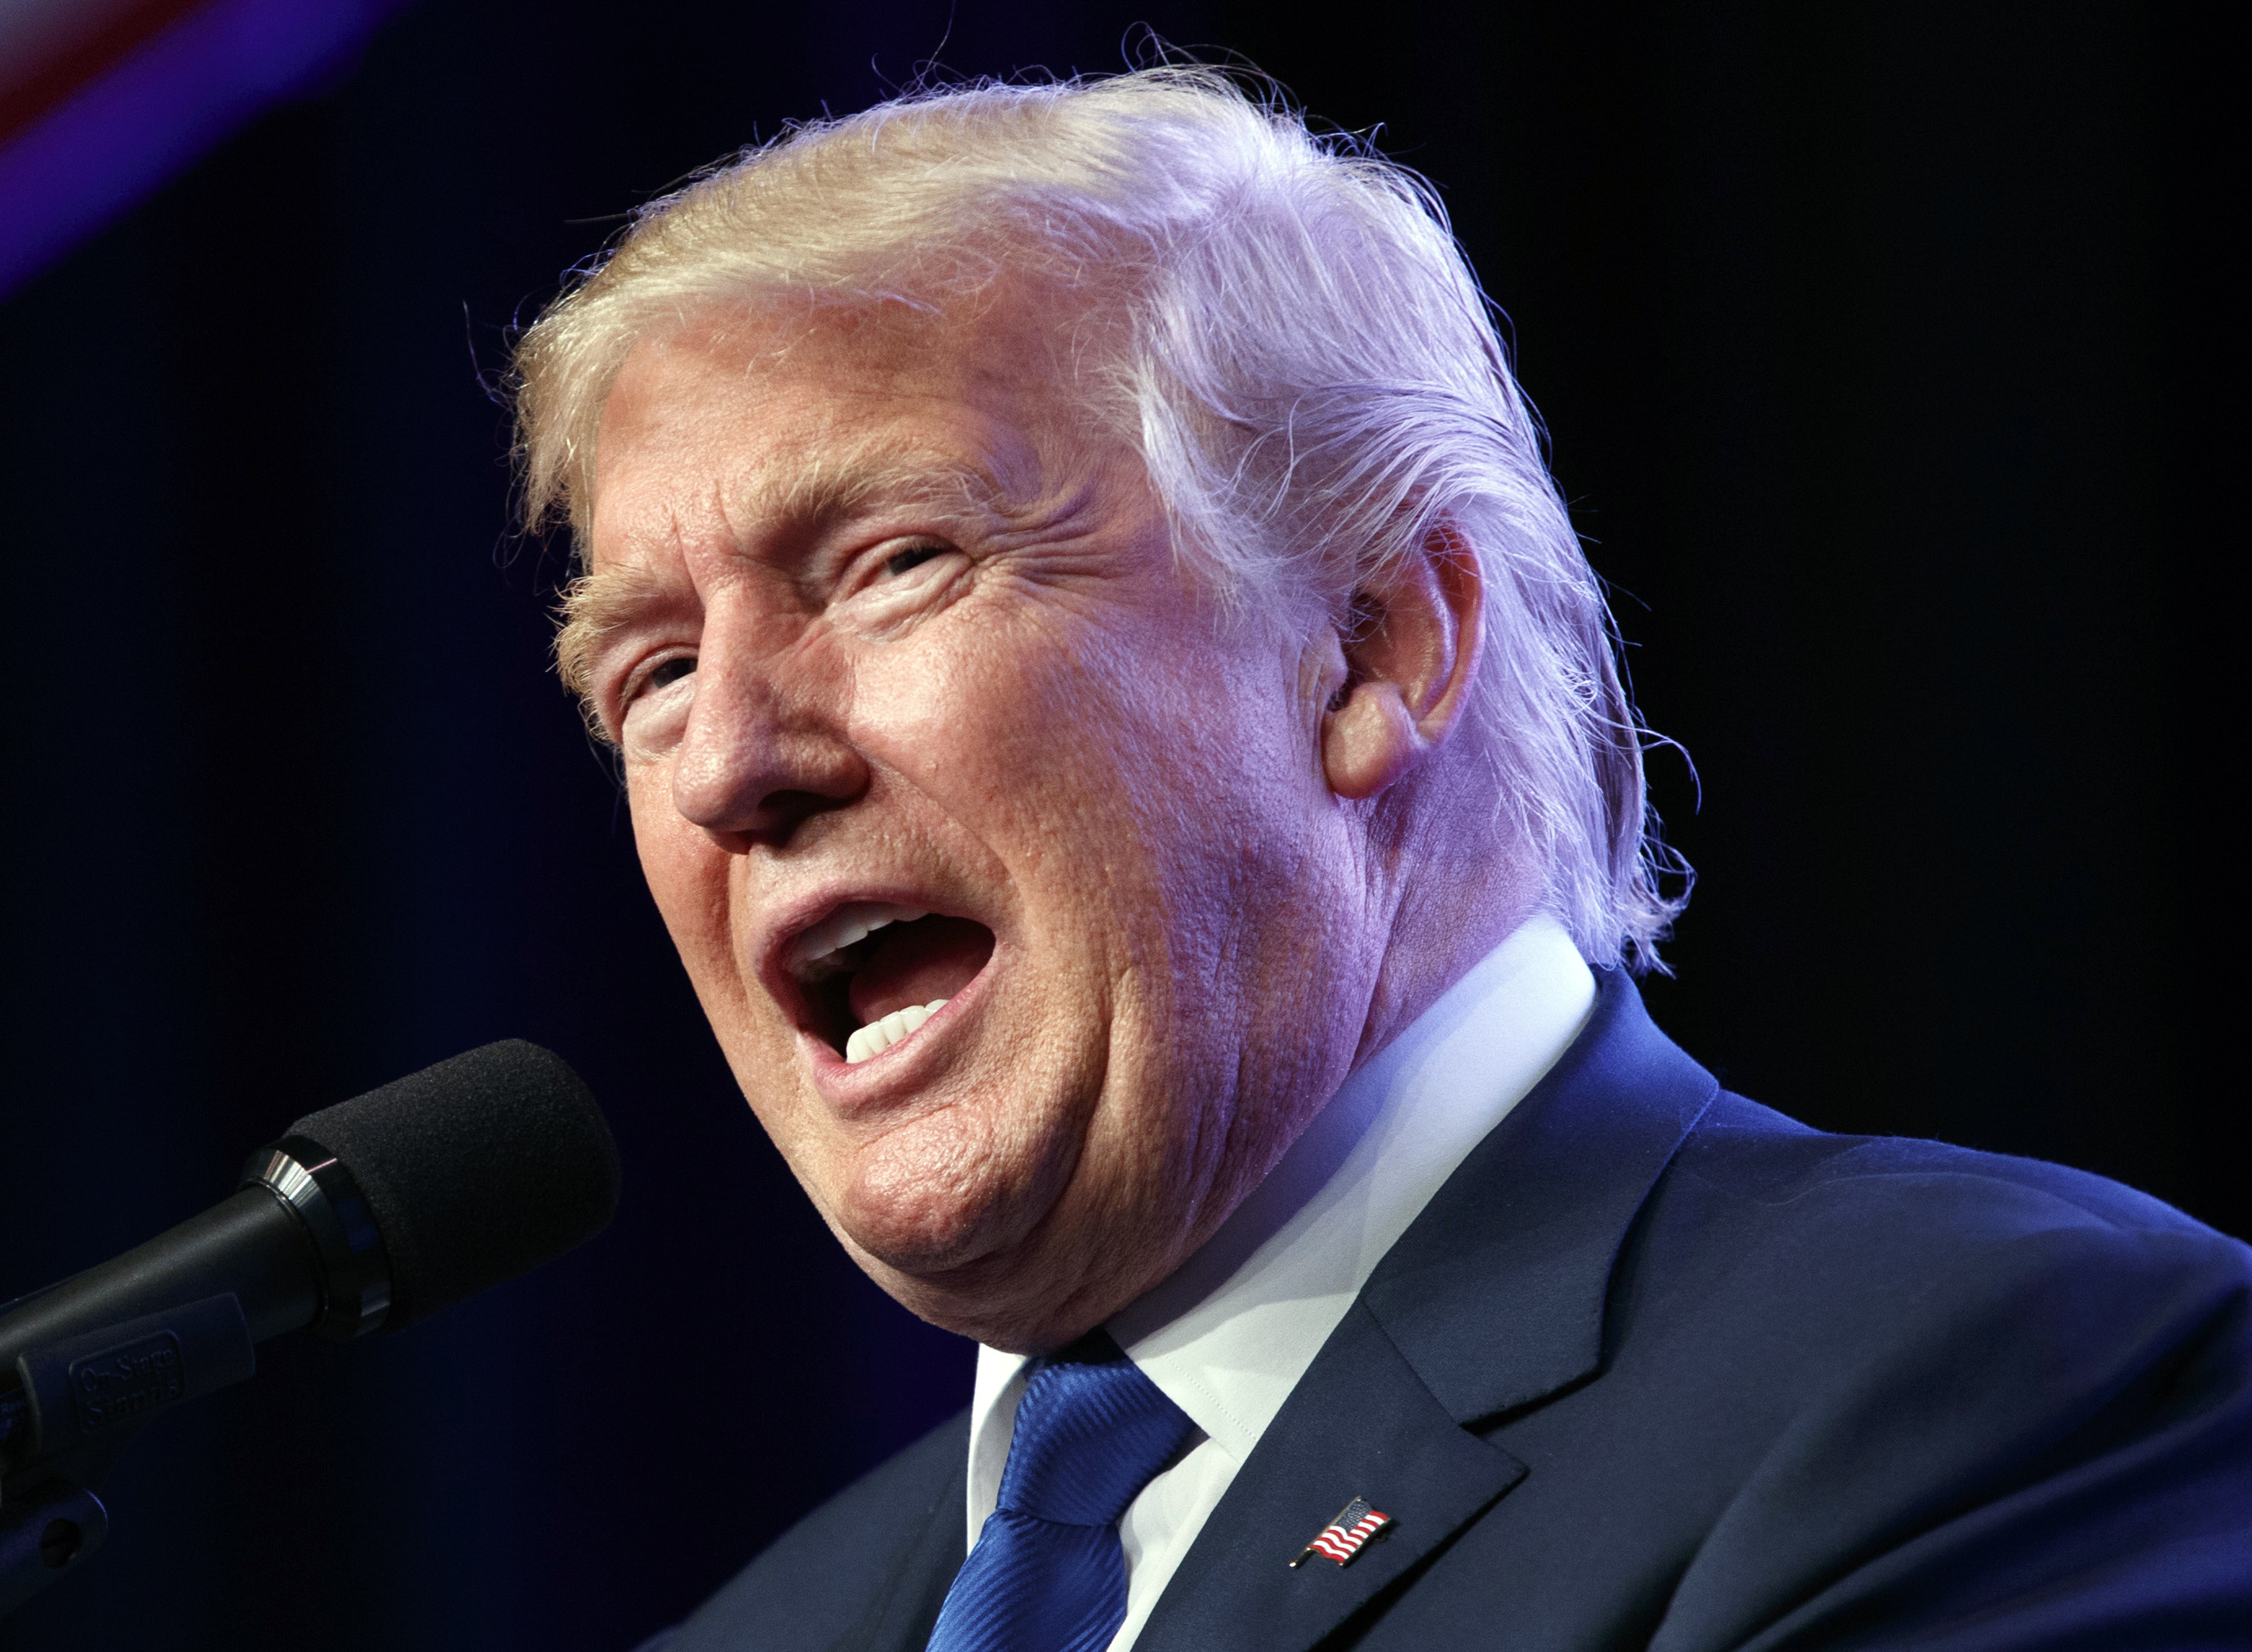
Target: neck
1449,910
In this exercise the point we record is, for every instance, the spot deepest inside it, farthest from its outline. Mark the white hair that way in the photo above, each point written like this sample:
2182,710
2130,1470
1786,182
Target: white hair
1303,359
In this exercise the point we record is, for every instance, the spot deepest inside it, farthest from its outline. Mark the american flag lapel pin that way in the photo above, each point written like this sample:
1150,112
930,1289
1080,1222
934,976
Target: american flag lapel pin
1355,1523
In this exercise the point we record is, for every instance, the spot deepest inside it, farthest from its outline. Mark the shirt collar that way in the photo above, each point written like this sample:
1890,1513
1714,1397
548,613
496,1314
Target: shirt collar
1228,1336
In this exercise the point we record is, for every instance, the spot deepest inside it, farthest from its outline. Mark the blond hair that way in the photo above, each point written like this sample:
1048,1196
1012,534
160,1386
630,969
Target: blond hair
1304,359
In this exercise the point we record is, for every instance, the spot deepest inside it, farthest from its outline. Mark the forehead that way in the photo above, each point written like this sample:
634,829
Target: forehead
763,415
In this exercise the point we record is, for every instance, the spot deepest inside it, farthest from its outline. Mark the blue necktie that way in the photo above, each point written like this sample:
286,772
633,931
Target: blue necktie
1048,1574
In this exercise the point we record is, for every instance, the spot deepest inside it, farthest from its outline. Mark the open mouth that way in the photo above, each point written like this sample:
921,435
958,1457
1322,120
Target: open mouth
873,973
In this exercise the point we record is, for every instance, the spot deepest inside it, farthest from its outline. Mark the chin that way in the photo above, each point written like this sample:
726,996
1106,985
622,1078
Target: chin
1016,1306
1006,1300
932,1196
993,1268
1022,1276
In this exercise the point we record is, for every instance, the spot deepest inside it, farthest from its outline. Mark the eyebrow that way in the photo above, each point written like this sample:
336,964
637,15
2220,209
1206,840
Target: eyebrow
817,496
594,605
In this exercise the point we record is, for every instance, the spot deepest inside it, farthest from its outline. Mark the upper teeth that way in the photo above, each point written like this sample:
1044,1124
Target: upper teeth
879,1035
817,949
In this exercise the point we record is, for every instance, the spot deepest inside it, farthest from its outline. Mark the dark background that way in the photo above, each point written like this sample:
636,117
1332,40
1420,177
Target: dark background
1875,347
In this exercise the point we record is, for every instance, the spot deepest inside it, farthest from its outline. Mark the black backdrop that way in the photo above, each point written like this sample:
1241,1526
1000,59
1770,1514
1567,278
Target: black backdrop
1875,353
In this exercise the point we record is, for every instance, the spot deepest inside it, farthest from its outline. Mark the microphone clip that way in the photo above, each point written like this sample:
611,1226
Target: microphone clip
74,1405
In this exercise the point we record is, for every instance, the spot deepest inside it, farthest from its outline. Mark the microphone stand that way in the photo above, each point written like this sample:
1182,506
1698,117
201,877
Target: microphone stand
60,1526
64,1523
77,1404
85,1363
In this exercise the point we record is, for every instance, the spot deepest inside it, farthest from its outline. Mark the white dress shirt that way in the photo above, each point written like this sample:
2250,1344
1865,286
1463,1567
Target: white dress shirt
1229,1334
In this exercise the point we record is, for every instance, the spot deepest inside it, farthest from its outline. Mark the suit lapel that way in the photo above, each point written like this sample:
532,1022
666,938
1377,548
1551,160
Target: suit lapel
1496,1294
1492,1302
903,1611
1362,1423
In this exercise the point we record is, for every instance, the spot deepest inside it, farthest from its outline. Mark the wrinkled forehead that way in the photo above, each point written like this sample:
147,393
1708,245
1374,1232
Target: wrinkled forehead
804,414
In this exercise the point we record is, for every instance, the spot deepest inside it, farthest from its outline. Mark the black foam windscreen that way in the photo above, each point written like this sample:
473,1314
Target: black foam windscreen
475,1170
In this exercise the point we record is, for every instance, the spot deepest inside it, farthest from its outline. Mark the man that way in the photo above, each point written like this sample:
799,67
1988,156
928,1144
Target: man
1124,739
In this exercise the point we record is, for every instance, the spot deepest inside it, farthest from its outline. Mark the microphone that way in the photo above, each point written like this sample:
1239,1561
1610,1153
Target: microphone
368,1215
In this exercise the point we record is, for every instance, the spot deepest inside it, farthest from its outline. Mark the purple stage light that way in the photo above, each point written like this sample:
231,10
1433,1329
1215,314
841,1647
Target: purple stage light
154,111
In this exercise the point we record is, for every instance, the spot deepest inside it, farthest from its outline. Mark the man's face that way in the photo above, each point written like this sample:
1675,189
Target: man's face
888,632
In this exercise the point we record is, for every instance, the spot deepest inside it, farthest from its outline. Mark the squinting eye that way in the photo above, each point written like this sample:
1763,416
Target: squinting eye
900,561
651,721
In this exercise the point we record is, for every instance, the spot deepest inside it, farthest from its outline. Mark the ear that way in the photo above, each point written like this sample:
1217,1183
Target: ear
1417,631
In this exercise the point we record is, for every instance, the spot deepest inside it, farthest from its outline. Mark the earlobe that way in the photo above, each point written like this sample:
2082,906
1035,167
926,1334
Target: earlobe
1368,742
1407,669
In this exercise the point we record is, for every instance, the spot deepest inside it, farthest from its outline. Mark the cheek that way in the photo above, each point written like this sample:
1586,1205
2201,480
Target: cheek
957,699
1009,737
687,876
1135,755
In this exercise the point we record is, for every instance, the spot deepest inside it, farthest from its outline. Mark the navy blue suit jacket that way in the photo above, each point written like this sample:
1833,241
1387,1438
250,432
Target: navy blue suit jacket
1661,1368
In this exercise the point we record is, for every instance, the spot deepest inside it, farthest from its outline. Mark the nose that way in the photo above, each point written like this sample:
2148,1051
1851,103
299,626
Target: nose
766,747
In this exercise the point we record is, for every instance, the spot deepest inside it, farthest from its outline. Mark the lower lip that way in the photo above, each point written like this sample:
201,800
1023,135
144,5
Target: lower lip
849,1085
